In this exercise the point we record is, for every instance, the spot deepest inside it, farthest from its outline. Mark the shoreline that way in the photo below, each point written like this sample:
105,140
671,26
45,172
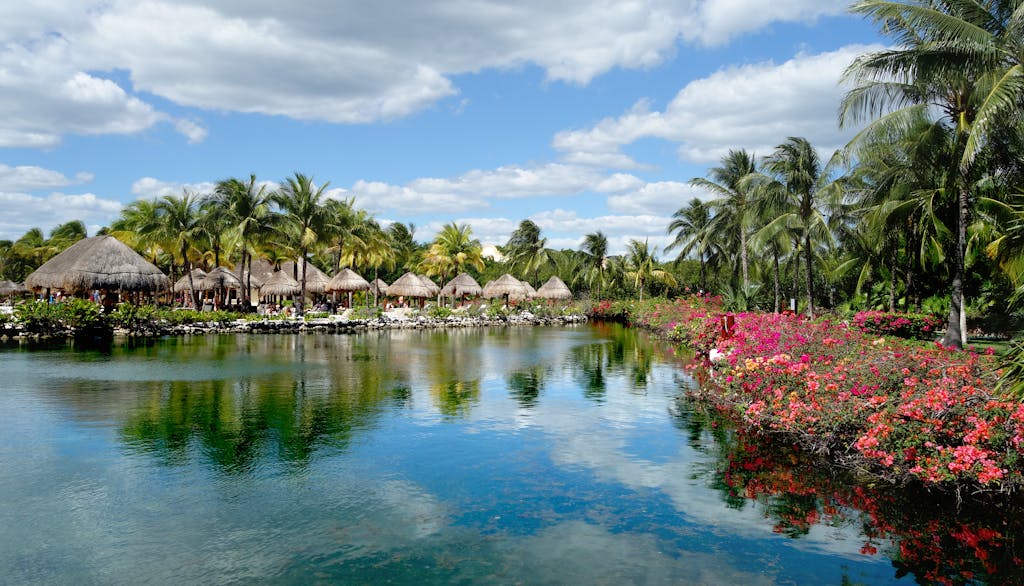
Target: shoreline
11,332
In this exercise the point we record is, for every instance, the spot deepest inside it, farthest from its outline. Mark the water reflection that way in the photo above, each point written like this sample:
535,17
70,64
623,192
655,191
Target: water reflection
511,455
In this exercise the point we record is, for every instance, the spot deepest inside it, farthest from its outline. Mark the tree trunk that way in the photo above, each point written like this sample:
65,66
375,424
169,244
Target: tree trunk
778,285
302,295
954,331
743,259
892,291
810,276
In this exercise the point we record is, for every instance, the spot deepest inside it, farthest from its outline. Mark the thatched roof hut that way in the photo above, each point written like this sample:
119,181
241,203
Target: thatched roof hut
530,291
431,285
219,278
378,287
182,284
12,288
409,285
316,280
280,283
462,285
554,288
505,285
100,262
347,280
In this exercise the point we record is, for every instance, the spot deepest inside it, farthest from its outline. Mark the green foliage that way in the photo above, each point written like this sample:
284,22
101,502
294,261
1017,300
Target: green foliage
373,312
914,326
315,315
39,317
439,312
497,310
131,317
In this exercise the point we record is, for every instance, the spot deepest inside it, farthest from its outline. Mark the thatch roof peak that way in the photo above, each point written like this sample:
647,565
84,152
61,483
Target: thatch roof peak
100,262
554,288
347,280
280,283
409,285
505,285
461,285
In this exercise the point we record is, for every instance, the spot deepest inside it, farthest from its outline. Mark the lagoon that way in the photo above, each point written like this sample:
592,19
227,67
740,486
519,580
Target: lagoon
533,455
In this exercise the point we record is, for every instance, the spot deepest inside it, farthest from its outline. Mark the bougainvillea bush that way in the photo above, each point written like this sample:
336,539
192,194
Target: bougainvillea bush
914,326
901,411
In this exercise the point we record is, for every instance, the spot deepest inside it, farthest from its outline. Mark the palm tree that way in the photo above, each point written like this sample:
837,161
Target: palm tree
452,251
798,191
526,252
595,246
304,219
403,242
178,222
250,217
642,266
692,225
961,58
732,204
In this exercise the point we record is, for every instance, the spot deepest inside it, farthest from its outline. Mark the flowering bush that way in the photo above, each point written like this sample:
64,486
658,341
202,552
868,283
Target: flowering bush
916,326
903,411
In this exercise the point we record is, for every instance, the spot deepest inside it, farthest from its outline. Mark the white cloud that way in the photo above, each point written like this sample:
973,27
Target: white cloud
752,106
661,198
31,178
150,187
324,60
23,211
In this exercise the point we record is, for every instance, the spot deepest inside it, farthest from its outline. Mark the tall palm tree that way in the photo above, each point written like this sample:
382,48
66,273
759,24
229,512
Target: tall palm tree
179,222
595,246
248,209
526,252
799,191
304,219
732,202
962,59
453,250
642,266
692,225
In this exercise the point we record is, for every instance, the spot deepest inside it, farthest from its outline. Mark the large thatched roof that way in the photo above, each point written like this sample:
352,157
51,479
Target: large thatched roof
462,285
409,285
505,285
554,288
219,278
12,288
347,280
182,284
280,283
100,262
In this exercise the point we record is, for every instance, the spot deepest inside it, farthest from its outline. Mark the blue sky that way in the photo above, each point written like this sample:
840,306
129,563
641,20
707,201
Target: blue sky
581,116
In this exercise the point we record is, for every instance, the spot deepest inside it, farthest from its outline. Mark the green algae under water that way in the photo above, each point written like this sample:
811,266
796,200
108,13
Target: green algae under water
530,455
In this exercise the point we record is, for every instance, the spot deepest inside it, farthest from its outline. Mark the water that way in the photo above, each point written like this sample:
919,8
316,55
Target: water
530,455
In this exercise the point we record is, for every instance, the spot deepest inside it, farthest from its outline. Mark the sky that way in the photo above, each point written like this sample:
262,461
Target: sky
579,115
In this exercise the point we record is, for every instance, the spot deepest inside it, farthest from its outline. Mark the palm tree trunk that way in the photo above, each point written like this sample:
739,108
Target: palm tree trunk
810,275
302,294
743,259
778,285
954,333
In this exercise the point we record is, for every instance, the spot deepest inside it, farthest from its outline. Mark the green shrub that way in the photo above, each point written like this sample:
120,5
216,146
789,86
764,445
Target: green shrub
366,313
81,314
315,315
132,317
439,312
39,316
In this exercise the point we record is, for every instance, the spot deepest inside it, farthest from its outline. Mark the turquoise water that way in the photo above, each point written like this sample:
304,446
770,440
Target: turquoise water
530,455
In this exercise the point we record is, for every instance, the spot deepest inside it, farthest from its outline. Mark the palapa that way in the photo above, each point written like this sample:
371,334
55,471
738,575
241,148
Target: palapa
316,280
554,288
100,262
12,288
408,285
530,291
378,287
347,280
182,284
462,285
505,285
430,284
280,283
219,278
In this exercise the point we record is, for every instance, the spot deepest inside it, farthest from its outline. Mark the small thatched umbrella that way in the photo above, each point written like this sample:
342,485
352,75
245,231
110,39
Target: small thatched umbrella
462,285
12,288
554,288
219,280
505,286
100,262
316,280
347,281
378,287
409,285
182,284
280,283
530,291
434,287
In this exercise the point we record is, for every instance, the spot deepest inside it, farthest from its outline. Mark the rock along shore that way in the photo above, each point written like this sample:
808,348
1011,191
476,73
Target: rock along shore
329,325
